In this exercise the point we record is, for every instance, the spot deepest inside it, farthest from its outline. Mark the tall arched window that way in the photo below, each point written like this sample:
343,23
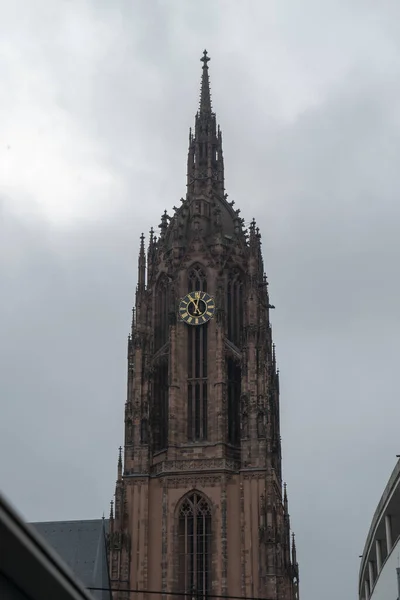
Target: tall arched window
161,329
160,405
197,385
234,391
235,307
197,279
194,546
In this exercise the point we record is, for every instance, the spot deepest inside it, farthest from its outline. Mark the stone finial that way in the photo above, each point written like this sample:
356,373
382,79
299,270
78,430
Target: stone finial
205,95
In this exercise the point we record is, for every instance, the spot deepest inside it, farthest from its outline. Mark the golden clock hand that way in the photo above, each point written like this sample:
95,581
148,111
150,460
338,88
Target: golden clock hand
196,310
192,301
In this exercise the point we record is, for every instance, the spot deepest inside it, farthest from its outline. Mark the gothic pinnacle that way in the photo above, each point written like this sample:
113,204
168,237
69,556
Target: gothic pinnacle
141,265
142,244
294,557
120,464
111,510
164,224
285,498
205,96
133,321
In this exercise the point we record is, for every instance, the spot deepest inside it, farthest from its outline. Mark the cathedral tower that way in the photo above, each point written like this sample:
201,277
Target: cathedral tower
200,507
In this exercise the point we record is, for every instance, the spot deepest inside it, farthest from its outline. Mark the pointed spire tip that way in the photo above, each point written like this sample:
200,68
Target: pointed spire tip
204,59
205,95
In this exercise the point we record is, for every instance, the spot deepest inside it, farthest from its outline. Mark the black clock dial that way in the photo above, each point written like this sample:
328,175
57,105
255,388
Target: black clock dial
196,308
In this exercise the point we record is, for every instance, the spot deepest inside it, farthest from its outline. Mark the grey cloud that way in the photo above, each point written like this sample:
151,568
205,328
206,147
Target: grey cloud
308,104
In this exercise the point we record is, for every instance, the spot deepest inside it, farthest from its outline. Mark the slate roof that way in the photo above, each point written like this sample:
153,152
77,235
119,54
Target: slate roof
82,546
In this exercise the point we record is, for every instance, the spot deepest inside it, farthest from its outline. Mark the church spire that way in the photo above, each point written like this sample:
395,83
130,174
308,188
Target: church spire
205,96
205,173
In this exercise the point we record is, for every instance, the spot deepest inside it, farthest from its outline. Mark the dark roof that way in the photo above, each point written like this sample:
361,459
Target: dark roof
30,568
82,546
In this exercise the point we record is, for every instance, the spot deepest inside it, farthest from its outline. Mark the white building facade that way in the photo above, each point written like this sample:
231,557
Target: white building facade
379,577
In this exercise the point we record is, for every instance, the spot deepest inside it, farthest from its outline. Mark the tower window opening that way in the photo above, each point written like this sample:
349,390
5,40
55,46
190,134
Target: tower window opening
197,383
197,356
234,391
194,547
144,431
161,330
160,406
235,308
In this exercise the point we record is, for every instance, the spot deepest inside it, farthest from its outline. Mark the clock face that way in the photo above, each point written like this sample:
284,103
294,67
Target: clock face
196,308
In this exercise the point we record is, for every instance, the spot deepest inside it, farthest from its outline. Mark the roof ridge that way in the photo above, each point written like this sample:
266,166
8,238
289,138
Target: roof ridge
67,521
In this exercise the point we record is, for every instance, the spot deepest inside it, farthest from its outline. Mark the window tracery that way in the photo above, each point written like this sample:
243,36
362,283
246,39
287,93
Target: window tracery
194,546
197,279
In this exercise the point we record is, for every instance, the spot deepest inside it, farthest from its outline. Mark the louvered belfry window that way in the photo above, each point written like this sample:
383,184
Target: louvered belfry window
194,547
197,385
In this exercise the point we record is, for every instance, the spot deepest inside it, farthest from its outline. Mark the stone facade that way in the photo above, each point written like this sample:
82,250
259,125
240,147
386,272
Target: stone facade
199,503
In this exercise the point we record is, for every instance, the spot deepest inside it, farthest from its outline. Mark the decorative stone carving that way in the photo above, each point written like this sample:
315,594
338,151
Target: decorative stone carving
210,464
190,480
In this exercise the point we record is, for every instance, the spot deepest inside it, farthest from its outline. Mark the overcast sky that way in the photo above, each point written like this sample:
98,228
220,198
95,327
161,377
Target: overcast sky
96,100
